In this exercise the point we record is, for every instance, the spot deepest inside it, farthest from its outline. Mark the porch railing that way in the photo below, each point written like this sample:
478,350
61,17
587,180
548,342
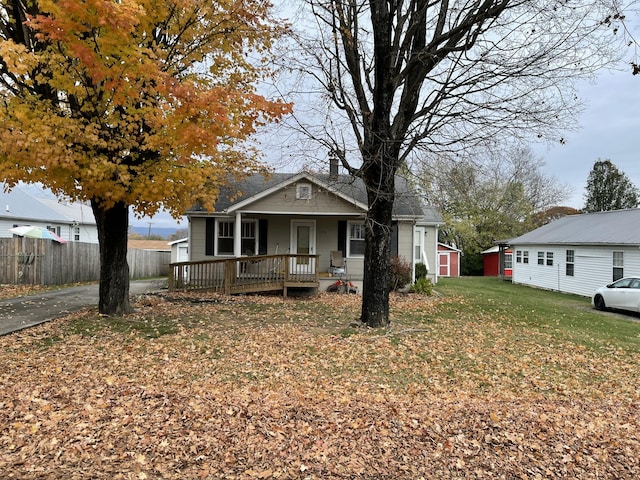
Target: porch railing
261,273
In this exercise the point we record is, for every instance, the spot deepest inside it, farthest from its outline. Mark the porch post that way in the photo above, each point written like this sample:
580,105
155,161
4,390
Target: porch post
237,236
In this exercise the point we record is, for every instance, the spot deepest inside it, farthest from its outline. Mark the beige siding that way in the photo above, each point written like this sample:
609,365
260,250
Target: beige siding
284,201
279,235
197,236
405,240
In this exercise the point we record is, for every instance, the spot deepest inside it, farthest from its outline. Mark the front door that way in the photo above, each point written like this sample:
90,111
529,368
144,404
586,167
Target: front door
303,242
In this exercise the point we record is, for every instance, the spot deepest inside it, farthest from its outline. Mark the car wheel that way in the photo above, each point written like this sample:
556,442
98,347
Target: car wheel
599,303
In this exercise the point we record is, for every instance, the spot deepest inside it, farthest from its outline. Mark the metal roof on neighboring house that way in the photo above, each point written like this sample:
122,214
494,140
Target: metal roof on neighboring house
619,227
21,204
77,212
406,202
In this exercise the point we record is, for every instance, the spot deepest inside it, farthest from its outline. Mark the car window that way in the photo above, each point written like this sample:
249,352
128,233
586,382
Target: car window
635,283
623,283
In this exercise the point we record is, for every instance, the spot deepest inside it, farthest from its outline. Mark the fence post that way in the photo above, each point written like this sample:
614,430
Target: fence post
229,273
171,278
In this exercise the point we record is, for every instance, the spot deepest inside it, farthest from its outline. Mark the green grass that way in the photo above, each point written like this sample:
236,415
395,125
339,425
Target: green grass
566,317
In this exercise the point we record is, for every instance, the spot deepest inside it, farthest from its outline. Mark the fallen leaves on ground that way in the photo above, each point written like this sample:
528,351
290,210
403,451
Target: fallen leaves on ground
12,291
207,387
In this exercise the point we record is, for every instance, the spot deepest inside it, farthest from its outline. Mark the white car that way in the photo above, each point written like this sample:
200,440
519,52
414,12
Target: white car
623,294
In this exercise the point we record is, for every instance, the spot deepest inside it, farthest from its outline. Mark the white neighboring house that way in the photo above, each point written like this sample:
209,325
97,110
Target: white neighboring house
72,221
579,253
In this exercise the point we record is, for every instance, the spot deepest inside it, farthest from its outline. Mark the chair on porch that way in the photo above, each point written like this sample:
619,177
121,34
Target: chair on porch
337,264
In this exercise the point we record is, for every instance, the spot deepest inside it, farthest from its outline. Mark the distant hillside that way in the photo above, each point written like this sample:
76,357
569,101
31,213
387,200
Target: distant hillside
161,232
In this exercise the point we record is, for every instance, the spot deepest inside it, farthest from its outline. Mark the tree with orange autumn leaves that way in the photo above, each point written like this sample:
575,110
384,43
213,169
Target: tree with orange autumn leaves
140,104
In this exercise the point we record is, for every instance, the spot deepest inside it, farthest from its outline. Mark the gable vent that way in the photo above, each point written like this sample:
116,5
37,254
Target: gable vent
303,191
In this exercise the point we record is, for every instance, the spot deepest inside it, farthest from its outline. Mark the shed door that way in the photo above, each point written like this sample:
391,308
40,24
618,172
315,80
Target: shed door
444,263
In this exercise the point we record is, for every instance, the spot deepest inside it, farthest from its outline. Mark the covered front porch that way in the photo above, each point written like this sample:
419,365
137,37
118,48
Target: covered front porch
249,274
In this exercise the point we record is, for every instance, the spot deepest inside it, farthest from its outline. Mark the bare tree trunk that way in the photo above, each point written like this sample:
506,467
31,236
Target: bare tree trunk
113,227
379,179
376,281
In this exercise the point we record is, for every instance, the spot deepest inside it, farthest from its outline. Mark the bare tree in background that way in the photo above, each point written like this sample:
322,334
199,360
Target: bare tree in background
488,197
406,78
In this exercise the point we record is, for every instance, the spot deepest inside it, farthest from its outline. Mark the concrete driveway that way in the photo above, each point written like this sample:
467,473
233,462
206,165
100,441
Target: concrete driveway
23,312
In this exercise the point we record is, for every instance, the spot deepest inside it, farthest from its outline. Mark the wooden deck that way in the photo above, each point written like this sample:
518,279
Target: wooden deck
263,273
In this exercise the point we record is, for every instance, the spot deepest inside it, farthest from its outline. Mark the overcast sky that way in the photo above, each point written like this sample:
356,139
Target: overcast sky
609,129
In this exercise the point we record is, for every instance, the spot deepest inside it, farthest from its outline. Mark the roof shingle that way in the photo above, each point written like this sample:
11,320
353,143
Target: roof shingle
619,227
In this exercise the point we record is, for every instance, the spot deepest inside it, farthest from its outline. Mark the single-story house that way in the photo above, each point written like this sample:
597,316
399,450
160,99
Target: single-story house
491,262
579,253
32,205
310,214
448,260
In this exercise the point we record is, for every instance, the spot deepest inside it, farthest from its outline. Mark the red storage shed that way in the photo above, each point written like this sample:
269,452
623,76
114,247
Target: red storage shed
491,262
448,261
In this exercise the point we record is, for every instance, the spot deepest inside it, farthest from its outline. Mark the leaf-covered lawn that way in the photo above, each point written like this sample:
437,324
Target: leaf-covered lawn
261,387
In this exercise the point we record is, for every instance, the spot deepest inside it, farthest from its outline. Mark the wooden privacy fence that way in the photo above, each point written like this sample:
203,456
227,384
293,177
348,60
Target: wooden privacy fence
34,261
261,273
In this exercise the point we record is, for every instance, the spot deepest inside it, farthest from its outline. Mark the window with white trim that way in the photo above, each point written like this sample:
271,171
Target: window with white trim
525,256
570,262
248,239
225,234
224,237
550,259
356,240
508,261
618,265
518,256
540,258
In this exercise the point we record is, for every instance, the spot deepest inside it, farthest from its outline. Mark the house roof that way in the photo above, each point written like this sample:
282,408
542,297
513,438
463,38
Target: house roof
406,204
18,205
180,240
74,211
21,203
619,227
155,245
449,247
494,249
431,216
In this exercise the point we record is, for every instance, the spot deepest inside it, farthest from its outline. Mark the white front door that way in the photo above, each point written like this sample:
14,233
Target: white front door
303,241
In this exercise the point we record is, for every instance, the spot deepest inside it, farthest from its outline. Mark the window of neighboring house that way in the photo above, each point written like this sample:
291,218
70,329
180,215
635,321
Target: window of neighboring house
508,261
224,238
540,258
525,256
303,191
618,265
356,240
550,259
76,234
55,230
518,256
570,263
